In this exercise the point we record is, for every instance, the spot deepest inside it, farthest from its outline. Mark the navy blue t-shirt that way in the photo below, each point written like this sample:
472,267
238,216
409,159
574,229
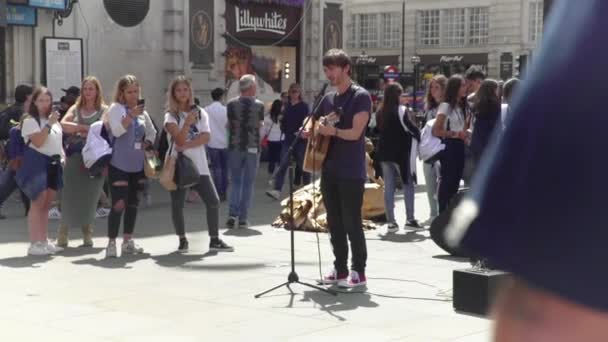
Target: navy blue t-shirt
539,198
346,159
293,118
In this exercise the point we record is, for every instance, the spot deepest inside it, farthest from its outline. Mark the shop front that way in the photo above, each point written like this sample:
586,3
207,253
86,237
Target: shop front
265,41
368,71
451,64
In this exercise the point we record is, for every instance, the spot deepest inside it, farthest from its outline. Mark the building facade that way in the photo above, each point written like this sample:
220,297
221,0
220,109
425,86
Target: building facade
214,42
448,36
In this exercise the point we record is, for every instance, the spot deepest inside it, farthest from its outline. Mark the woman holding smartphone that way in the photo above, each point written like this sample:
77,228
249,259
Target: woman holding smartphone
132,131
40,175
187,127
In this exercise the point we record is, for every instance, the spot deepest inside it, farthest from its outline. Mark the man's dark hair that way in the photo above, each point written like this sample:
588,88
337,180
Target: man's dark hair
217,93
337,57
474,73
22,92
508,89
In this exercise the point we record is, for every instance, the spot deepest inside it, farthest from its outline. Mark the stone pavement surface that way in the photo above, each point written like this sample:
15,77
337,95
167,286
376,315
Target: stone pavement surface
164,296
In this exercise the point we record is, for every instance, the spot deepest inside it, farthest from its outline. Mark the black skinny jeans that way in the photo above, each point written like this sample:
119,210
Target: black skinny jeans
206,190
125,199
452,167
343,199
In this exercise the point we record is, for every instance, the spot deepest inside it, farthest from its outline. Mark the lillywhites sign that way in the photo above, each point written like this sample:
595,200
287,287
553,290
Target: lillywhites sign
451,59
271,21
259,22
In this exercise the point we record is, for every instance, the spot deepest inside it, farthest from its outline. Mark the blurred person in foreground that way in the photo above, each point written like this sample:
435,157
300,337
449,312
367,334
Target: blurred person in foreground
536,207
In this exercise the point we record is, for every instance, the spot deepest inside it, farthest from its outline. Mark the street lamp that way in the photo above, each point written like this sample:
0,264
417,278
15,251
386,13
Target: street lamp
415,61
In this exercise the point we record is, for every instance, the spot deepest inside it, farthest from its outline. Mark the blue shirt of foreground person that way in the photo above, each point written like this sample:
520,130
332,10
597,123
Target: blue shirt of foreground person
538,207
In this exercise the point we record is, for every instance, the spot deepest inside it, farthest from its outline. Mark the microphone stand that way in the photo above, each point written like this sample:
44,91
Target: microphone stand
289,158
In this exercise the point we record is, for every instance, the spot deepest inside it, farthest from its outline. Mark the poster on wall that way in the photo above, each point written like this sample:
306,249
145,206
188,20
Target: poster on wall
201,33
63,63
267,63
332,27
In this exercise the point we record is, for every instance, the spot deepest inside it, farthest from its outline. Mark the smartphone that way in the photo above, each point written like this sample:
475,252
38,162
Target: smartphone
141,102
193,107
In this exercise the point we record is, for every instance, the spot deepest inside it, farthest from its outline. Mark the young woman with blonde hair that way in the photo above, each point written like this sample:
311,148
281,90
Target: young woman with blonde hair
188,132
80,193
132,131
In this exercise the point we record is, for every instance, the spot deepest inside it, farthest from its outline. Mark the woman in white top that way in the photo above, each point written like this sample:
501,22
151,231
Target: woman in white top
41,172
434,96
188,132
450,125
272,131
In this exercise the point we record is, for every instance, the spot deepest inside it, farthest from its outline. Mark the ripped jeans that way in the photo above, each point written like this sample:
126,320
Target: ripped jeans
125,199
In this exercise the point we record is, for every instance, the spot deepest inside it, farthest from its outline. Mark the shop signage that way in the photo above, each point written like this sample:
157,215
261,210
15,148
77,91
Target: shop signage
52,4
365,60
271,21
21,15
451,59
472,58
391,73
258,21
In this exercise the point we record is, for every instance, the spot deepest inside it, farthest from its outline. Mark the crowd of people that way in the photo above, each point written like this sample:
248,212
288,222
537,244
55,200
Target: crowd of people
224,142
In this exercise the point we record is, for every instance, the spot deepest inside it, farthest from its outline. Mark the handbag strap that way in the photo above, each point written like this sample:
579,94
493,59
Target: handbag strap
270,129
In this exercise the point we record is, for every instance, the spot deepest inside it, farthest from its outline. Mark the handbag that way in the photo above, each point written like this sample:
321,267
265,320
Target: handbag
264,142
151,165
186,173
167,174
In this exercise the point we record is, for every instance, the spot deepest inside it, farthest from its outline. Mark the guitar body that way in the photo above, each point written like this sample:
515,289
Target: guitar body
316,151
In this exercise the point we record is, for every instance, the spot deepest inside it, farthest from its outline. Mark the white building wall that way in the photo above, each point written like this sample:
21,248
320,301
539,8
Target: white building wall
508,28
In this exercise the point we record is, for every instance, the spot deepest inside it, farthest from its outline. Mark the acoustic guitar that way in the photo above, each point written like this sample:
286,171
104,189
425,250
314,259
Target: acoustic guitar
318,145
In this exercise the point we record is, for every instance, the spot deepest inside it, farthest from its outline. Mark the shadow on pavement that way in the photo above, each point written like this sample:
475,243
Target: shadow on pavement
344,301
120,262
242,232
25,261
226,267
452,258
402,238
176,259
79,251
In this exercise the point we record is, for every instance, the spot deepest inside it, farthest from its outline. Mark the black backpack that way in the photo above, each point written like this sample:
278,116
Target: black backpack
5,124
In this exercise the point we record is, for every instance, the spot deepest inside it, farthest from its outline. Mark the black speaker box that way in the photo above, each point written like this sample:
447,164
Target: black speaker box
474,290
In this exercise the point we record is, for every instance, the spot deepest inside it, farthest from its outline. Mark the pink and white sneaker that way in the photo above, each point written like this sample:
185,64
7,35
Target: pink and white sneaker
333,277
354,279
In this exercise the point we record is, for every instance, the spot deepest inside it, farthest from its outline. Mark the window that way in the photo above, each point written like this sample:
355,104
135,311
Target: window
368,30
352,32
453,27
429,27
391,30
536,21
454,23
478,26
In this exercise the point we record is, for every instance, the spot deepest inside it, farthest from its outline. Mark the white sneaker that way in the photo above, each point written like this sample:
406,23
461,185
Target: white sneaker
111,250
102,212
54,214
131,247
392,227
38,248
274,194
52,248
